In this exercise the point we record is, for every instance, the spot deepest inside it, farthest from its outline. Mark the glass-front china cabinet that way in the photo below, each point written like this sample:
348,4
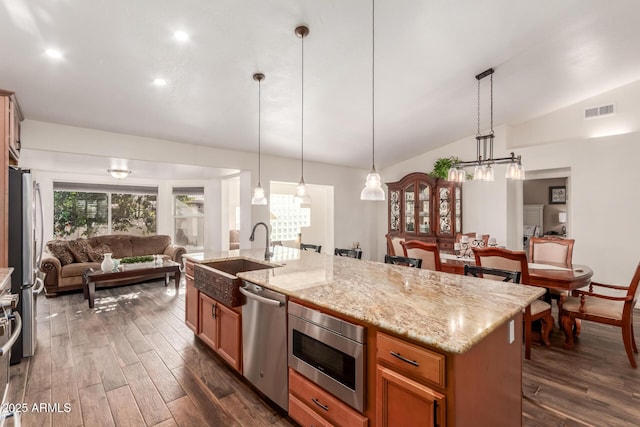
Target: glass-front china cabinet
424,208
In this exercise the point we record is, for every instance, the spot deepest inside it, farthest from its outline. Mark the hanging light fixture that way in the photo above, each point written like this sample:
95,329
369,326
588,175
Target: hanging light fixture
302,193
258,193
373,187
483,165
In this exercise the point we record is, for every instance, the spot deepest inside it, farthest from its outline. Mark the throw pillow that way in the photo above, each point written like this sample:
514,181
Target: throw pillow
60,250
80,249
96,254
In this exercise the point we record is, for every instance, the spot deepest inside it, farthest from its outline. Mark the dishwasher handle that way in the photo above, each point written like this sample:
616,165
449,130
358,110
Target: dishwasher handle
262,299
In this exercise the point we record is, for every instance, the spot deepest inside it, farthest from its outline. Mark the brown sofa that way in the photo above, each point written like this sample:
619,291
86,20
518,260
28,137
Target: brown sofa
61,274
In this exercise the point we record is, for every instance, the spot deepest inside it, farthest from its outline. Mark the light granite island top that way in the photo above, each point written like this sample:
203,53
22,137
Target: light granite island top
446,311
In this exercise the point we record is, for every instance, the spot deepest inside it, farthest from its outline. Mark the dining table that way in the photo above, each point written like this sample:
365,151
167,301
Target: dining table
562,277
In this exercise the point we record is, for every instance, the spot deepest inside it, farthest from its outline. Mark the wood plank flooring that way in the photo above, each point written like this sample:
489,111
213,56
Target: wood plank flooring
131,361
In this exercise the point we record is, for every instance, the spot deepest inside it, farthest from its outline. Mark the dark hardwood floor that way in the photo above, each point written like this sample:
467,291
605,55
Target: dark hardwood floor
131,361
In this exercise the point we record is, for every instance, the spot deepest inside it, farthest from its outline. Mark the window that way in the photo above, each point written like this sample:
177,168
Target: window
88,210
287,218
188,214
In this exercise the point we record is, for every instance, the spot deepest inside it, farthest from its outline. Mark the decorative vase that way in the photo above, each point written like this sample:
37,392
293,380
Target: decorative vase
107,263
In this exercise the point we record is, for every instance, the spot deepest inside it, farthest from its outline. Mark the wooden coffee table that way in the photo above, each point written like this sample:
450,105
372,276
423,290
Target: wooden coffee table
93,278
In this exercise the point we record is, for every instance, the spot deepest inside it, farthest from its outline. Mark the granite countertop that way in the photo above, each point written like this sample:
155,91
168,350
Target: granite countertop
450,312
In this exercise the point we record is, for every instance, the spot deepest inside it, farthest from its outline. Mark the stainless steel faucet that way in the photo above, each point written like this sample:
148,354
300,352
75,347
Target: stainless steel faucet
267,253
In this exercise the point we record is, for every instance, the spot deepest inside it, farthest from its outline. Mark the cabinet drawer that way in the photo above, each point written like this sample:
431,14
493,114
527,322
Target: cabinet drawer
415,361
189,268
323,403
303,415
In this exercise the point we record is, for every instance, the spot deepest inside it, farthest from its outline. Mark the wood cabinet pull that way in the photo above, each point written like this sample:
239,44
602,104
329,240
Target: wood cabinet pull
325,407
404,359
213,311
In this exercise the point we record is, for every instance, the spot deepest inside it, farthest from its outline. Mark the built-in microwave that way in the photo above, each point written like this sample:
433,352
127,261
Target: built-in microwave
330,352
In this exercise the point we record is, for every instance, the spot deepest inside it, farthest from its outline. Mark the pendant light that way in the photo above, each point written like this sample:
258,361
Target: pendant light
258,193
484,161
373,187
302,193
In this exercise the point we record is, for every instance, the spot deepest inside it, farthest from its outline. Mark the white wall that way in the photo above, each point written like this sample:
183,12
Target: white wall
355,220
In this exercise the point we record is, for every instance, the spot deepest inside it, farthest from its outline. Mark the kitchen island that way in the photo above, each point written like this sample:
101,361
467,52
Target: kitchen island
471,330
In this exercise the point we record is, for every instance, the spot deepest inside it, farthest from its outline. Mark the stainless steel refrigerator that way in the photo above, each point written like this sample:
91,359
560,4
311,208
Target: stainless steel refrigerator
25,252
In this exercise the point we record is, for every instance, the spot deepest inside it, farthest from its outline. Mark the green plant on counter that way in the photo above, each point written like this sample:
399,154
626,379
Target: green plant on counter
136,259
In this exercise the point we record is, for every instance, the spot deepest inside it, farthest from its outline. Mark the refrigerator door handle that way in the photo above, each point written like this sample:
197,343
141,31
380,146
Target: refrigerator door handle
39,286
6,348
39,255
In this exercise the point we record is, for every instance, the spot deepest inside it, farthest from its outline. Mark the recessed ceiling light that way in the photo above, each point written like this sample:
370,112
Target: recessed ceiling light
181,36
54,53
160,82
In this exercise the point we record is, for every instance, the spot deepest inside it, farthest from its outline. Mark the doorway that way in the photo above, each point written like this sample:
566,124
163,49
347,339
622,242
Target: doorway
546,197
311,224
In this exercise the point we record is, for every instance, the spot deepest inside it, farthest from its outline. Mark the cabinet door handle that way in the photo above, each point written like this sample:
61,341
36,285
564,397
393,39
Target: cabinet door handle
213,311
404,359
325,407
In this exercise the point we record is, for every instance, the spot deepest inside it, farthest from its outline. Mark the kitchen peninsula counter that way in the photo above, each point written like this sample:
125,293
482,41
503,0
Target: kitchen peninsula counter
444,311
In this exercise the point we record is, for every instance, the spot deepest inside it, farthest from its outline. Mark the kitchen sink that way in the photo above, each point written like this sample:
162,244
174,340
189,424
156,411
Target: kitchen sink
219,280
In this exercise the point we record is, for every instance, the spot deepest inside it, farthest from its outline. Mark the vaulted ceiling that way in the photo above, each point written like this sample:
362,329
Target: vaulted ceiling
547,54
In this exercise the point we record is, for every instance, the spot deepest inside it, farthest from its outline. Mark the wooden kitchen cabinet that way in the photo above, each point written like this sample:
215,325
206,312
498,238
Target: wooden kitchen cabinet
10,117
208,324
220,327
424,208
406,376
402,401
192,298
311,405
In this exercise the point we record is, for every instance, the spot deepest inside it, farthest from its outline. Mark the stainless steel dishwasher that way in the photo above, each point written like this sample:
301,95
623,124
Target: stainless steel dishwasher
264,342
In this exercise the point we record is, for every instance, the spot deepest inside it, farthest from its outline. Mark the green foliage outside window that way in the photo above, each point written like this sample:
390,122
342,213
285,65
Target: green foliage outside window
87,214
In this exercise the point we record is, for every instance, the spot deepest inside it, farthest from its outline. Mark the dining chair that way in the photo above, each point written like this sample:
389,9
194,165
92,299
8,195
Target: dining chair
556,250
505,259
403,260
394,248
351,253
305,247
602,306
478,271
427,252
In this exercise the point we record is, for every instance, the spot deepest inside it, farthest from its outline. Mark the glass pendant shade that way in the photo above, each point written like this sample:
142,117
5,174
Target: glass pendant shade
258,196
478,173
488,173
373,187
302,196
520,173
453,174
462,175
511,171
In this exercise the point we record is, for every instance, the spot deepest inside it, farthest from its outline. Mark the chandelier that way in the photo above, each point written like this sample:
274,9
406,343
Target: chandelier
483,164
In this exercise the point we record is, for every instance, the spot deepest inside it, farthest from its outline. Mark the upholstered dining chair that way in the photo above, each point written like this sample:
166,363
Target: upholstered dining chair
505,259
403,260
427,252
306,247
351,253
394,248
598,305
552,249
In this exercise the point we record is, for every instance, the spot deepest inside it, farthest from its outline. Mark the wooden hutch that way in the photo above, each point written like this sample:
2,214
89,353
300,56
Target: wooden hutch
424,208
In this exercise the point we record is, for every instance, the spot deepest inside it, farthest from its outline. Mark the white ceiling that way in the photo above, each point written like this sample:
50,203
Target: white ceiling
547,54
